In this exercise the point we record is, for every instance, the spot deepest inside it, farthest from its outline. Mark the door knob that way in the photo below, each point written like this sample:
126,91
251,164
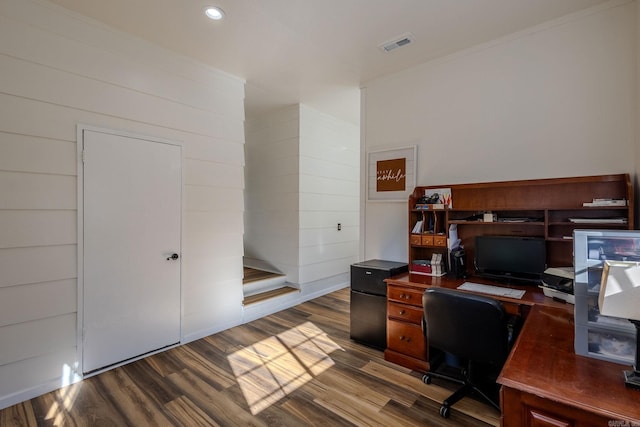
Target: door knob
173,257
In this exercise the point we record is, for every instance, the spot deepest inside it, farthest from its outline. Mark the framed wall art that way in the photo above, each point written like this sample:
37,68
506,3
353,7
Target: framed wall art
391,174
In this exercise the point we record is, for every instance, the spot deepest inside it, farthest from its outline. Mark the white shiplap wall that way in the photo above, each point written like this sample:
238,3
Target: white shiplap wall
329,194
302,180
60,70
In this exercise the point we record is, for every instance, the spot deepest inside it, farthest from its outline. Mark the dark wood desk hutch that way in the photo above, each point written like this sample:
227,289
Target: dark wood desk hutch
545,208
535,208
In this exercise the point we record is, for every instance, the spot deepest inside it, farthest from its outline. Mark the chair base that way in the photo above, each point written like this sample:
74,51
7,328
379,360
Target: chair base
468,387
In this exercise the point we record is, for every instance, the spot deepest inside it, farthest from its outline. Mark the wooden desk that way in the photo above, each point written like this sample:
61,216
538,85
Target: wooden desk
533,295
544,383
406,345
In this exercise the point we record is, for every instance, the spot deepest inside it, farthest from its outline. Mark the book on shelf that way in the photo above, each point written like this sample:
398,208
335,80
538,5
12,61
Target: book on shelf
417,229
429,267
421,266
421,269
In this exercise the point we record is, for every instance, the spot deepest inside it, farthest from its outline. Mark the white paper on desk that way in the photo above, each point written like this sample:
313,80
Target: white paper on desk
453,241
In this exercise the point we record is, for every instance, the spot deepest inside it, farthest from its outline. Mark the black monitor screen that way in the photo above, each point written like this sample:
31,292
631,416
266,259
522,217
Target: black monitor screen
523,257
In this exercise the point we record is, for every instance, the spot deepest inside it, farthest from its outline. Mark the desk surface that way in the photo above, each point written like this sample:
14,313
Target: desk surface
543,361
533,294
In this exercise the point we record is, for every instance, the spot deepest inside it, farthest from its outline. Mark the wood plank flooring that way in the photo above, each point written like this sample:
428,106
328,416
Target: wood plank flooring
297,367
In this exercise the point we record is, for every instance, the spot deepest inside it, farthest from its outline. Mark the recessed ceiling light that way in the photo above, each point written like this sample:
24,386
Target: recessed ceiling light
214,13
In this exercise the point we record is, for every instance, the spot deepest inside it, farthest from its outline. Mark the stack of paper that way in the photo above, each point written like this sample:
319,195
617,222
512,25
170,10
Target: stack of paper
598,220
606,202
436,264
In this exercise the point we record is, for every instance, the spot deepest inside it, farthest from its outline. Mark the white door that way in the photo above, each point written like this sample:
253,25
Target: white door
131,228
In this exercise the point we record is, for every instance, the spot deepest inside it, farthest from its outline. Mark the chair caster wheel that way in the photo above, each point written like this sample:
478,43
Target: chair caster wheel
445,411
426,379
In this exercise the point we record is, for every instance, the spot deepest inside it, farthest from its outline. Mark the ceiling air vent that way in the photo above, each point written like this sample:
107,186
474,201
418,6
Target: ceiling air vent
399,41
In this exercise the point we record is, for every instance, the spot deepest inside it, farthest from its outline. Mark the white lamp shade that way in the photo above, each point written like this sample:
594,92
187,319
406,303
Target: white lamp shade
620,290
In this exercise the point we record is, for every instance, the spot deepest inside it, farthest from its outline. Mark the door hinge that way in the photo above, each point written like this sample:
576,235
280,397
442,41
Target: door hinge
84,156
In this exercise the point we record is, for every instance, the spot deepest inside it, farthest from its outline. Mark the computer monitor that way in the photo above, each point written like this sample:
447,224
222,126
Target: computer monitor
510,257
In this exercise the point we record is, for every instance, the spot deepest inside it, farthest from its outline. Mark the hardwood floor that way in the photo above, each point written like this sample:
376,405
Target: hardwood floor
294,368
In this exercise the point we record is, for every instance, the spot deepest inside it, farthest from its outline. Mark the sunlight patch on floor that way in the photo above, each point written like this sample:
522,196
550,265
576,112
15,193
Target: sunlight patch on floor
66,397
269,370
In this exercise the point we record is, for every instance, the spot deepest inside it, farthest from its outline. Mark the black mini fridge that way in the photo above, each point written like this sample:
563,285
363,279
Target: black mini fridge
369,300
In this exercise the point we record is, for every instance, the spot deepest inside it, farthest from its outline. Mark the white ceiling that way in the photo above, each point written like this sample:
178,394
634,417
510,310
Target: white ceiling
318,52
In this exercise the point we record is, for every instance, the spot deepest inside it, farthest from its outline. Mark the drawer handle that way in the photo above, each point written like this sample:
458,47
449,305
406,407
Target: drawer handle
403,338
405,296
402,312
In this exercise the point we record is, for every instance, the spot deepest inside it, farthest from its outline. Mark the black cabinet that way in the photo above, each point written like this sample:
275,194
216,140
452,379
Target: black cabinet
369,301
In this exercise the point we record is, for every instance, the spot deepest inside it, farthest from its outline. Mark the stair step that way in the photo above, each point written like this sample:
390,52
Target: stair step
253,275
259,281
262,296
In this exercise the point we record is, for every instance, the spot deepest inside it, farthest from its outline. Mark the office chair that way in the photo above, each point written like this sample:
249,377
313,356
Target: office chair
473,328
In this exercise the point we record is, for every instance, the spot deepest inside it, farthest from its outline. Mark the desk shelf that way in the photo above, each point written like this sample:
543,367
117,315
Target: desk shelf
499,223
530,208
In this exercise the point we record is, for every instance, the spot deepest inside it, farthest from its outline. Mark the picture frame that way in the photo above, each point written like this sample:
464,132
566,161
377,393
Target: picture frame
391,174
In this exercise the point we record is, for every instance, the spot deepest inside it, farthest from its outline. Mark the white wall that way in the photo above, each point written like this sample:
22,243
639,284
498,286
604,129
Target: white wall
302,180
557,100
329,194
58,70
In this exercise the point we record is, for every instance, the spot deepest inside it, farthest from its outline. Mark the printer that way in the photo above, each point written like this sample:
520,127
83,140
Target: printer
557,282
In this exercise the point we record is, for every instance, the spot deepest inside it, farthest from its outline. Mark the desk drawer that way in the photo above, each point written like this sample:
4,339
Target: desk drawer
404,295
404,312
427,240
440,240
406,338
